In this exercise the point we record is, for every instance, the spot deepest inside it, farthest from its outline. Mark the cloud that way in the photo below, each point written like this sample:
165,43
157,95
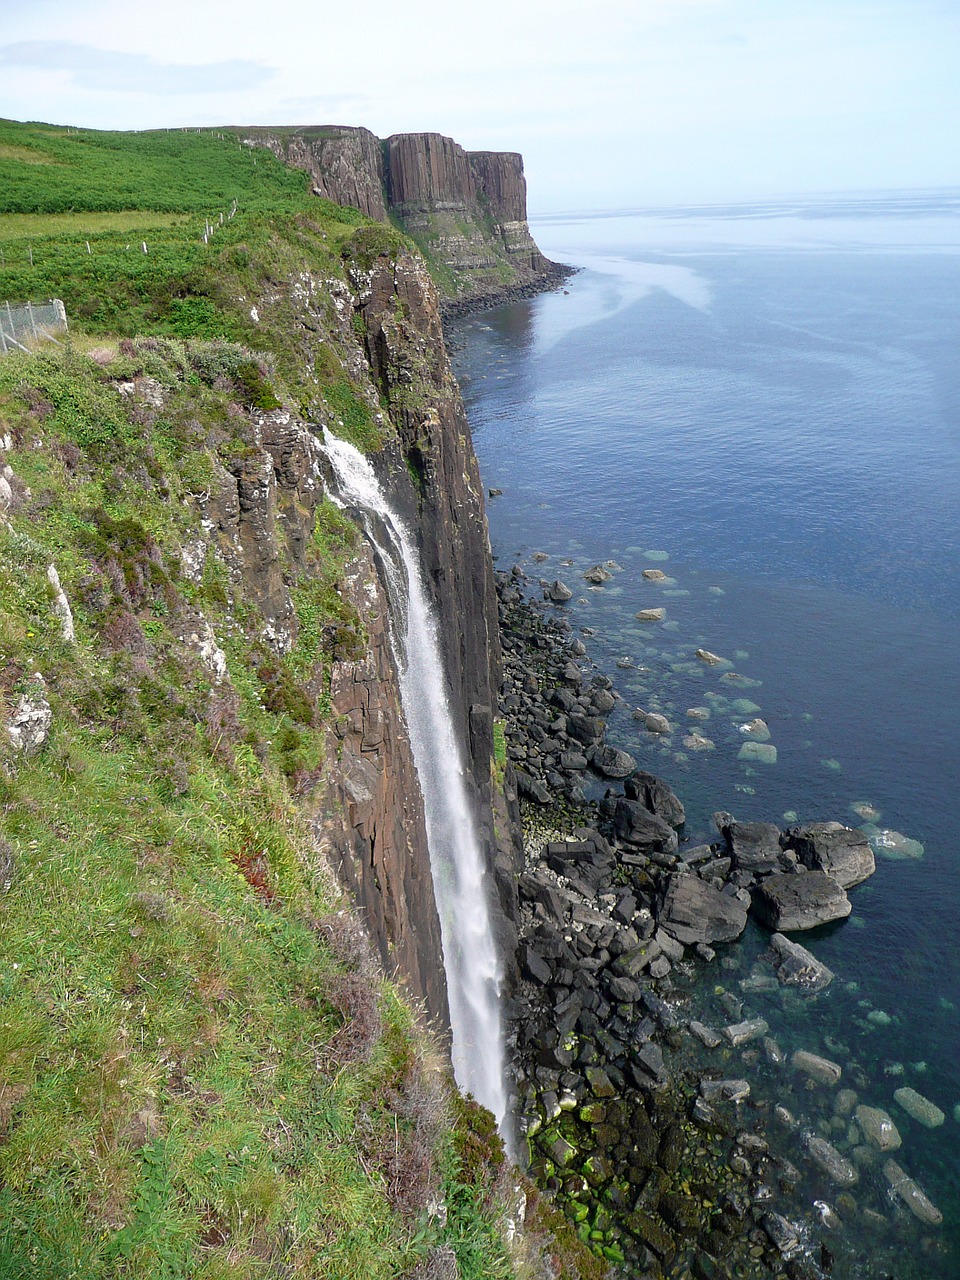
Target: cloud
111,71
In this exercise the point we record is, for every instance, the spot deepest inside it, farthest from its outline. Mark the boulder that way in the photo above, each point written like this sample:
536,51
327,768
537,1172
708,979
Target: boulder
711,659
590,860
597,574
796,967
788,903
650,615
754,847
655,796
840,851
911,1195
783,1235
636,825
654,575
837,1167
693,910
585,729
29,726
656,723
743,1032
613,763
878,1129
724,1090
821,1069
920,1108
558,592
531,788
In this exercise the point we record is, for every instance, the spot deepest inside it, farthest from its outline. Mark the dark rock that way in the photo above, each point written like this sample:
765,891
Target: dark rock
613,763
536,967
754,846
656,796
789,903
573,760
797,967
558,592
532,789
695,911
635,824
840,851
783,1234
585,729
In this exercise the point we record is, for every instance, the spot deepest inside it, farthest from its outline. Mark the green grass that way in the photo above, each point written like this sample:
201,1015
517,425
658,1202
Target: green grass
203,1076
198,1076
15,226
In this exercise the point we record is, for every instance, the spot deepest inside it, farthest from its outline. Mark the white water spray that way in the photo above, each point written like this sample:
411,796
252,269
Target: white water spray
456,860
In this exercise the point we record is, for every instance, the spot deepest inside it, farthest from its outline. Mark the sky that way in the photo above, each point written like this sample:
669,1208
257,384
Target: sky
621,104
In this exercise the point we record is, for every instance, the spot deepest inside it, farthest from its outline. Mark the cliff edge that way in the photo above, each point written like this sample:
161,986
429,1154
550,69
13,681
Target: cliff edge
466,210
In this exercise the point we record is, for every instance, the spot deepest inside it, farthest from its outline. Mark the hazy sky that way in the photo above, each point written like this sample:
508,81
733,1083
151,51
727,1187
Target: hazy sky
622,103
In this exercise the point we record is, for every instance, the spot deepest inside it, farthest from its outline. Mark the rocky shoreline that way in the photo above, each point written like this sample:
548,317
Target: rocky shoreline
551,278
660,1158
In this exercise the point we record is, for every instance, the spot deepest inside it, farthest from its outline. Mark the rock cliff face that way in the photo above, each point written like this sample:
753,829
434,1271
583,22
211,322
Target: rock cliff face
467,210
345,164
366,810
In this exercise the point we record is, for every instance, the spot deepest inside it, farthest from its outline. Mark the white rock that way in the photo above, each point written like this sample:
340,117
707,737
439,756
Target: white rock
61,605
211,655
711,659
29,727
657,723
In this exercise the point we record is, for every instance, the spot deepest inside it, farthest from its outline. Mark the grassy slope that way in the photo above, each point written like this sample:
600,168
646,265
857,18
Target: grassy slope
201,1074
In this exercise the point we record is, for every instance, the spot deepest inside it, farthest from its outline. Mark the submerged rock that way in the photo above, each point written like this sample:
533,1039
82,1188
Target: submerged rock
920,1108
821,1069
893,844
837,1167
911,1195
758,752
796,966
878,1129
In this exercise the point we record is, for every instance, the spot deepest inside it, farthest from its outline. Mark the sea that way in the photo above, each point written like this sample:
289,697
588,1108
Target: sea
763,402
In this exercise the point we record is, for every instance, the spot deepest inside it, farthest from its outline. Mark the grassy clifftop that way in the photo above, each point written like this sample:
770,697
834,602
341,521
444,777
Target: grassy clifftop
203,1072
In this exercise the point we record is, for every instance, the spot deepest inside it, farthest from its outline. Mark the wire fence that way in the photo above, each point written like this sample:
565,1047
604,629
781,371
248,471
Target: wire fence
32,320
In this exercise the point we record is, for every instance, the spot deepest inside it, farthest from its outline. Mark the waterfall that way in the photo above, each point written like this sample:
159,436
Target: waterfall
456,860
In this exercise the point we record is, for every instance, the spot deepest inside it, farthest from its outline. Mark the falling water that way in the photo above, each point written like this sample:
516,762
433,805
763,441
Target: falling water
456,860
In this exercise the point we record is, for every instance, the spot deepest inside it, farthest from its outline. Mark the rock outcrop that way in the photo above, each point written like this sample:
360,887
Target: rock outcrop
467,210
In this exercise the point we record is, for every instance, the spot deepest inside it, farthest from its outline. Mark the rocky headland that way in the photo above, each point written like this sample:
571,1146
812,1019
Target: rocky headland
466,210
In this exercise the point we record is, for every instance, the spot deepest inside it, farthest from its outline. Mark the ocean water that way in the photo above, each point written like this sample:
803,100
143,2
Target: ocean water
764,403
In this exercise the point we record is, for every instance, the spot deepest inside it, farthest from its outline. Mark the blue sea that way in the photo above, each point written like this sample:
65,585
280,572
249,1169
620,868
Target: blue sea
763,403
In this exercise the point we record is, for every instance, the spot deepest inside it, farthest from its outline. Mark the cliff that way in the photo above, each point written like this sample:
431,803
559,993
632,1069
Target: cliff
466,210
205,771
